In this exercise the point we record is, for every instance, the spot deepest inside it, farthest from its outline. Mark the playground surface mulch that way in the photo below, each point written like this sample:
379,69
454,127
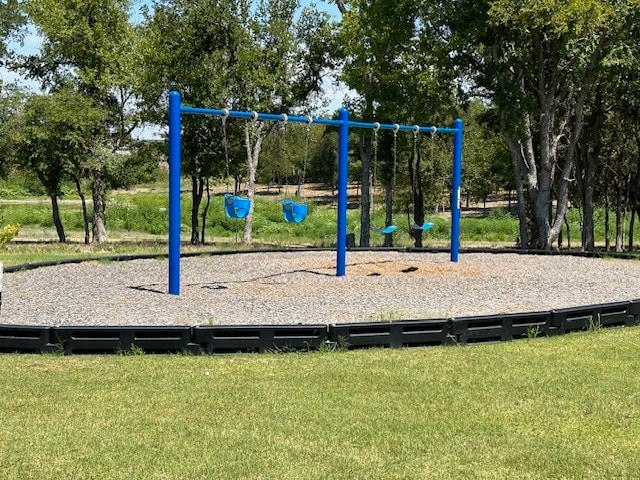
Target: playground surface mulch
301,288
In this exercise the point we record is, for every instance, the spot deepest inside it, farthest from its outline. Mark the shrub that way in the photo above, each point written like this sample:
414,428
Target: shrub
8,232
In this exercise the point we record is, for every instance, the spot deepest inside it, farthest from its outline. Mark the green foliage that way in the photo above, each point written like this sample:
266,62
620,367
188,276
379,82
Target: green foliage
533,332
8,232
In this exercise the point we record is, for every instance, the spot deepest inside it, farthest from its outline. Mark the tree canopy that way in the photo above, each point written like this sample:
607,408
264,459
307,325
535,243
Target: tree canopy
555,78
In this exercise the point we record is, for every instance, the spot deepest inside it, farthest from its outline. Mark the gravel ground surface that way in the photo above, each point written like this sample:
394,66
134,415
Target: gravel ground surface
301,287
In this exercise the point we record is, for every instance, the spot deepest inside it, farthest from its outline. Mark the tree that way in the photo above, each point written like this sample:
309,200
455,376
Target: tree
11,20
262,56
390,67
538,63
282,71
194,48
610,129
50,135
90,43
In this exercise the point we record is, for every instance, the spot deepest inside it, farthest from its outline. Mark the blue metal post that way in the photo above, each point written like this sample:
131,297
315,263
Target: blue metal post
455,191
174,193
343,172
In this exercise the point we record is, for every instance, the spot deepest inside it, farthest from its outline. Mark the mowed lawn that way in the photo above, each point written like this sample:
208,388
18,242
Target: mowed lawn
564,407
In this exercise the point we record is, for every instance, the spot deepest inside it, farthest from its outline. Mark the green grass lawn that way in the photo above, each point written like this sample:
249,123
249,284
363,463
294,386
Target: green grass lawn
563,407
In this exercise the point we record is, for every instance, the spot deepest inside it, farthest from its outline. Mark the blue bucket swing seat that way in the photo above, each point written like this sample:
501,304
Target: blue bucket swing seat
236,207
426,226
294,212
386,230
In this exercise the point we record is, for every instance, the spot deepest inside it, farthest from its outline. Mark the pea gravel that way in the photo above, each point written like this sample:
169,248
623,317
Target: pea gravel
301,287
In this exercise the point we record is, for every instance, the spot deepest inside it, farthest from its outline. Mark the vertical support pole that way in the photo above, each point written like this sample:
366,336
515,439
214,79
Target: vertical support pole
343,172
455,191
174,193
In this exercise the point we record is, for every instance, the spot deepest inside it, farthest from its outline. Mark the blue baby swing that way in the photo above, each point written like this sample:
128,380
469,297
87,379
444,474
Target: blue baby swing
235,206
295,212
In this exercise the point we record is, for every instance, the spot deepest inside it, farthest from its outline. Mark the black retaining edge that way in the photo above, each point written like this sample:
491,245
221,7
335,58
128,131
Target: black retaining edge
259,338
113,339
403,333
25,339
502,327
607,315
225,339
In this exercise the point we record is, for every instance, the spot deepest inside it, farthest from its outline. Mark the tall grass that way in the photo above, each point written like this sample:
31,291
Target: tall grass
146,213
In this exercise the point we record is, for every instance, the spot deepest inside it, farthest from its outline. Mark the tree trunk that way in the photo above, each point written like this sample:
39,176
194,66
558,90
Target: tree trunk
55,214
417,194
205,211
52,186
588,158
619,214
97,194
197,188
367,182
85,214
254,136
632,223
519,167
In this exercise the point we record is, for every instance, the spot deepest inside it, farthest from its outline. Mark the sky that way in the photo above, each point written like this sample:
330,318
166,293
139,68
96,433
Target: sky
32,41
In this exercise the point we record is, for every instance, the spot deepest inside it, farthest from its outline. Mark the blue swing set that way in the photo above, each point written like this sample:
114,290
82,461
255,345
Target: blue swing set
235,207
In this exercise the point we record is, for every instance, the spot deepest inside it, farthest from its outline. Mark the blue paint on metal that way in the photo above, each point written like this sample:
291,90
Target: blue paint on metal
343,124
174,193
343,172
455,190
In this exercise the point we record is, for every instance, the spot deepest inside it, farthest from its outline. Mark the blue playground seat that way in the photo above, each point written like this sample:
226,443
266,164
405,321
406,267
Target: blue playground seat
425,227
294,212
385,230
236,207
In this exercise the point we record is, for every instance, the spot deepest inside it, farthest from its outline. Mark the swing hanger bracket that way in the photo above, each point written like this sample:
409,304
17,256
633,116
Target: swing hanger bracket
254,116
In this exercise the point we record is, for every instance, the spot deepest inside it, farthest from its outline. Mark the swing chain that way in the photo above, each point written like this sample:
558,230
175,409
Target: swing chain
396,128
225,143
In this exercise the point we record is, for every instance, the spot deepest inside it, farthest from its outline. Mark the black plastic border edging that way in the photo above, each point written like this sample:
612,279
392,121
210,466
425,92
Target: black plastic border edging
224,339
264,338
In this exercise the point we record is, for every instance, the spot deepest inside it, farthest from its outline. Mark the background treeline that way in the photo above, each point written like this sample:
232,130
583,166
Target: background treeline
546,89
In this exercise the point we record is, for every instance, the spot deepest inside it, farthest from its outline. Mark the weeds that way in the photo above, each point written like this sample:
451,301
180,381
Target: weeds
533,332
594,324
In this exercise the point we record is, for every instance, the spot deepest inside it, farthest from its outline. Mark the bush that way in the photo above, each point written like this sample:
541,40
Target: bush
8,232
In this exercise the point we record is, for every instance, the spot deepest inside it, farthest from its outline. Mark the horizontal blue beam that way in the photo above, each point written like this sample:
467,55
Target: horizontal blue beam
314,120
